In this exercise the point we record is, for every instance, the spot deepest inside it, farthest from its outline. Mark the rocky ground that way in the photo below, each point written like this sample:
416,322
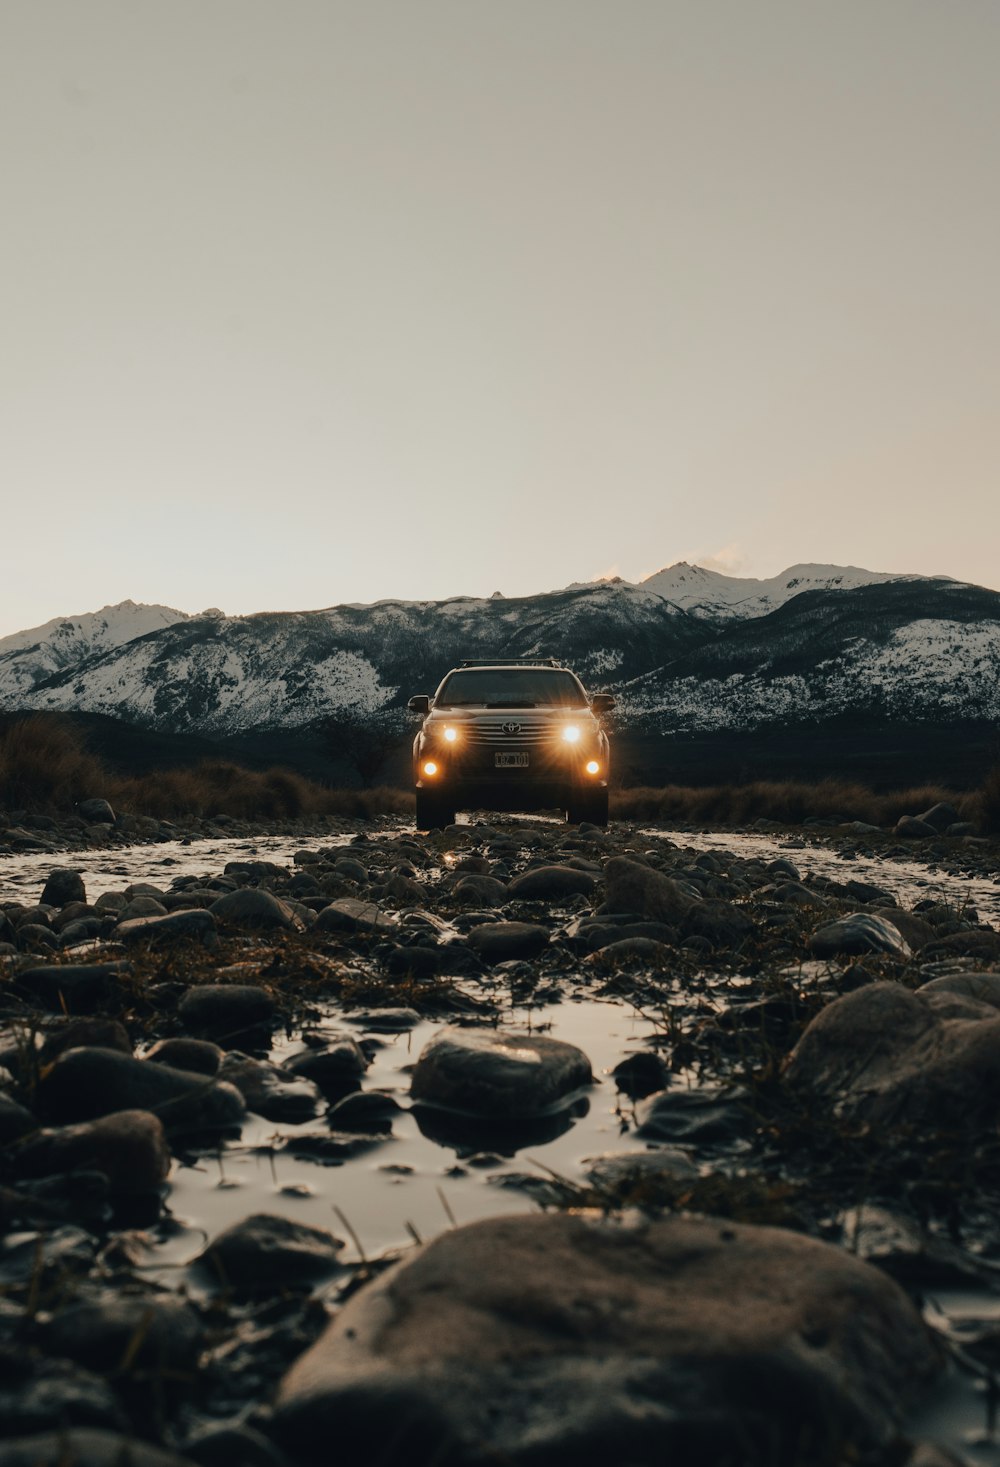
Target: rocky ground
815,1153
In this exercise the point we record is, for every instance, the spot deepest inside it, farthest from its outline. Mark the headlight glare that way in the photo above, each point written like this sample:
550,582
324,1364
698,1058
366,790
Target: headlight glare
450,734
593,767
430,768
571,733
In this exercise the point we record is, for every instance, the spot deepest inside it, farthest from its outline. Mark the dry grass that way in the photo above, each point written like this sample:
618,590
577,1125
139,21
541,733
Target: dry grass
790,801
45,768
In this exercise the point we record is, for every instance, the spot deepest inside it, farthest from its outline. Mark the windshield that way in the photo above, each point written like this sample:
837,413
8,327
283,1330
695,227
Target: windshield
510,687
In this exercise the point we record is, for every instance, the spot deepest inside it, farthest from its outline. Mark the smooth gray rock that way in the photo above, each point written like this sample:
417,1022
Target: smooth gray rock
480,891
911,827
722,923
163,1330
15,1121
271,1091
61,887
266,1253
498,1076
226,1012
886,1055
633,887
96,812
75,988
181,1053
706,1116
347,914
92,1082
550,883
499,942
183,926
860,932
128,1147
336,1067
940,816
254,910
575,1339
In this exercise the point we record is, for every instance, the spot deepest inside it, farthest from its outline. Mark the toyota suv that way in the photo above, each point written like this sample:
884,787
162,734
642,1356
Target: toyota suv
516,734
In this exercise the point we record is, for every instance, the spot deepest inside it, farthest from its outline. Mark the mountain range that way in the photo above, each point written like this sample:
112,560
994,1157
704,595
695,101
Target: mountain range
687,649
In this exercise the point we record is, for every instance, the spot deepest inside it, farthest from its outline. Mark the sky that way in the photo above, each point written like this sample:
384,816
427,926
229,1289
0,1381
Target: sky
316,301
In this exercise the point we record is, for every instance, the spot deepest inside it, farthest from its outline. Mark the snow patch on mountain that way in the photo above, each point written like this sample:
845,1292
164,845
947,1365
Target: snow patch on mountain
708,593
928,668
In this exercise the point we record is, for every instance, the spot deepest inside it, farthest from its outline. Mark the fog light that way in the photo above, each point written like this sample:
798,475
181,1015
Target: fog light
451,734
593,767
430,767
571,733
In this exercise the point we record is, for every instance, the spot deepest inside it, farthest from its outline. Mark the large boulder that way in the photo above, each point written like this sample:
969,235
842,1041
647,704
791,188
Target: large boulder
885,1055
574,1339
551,883
498,1076
632,887
91,1082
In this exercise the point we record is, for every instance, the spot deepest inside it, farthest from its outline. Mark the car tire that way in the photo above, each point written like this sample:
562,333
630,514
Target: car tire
592,808
432,813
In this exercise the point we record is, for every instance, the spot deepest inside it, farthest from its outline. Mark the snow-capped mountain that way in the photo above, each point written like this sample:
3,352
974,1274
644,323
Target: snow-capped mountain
686,649
65,641
712,595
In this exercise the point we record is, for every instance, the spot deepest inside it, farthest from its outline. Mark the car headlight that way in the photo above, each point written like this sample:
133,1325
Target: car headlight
430,768
571,733
450,735
593,767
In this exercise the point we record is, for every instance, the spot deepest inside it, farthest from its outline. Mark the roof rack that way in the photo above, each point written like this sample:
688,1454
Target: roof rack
511,662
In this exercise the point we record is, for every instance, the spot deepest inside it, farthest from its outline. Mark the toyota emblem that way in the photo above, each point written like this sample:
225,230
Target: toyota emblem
511,728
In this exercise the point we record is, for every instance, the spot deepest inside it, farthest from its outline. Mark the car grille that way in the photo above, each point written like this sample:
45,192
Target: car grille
497,732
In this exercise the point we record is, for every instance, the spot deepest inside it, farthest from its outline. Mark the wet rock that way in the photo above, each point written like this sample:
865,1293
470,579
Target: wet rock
498,1076
909,827
193,925
350,869
34,938
480,891
643,952
61,1253
227,1013
79,1033
269,1090
75,988
367,1111
128,1147
940,816
628,1171
795,894
977,988
95,1082
15,1121
499,942
886,1055
679,1339
160,1332
140,906
641,1074
705,1116
254,910
350,915
632,887
265,1253
721,923
61,887
36,1393
551,883
85,1447
233,1445
860,932
385,1021
96,812
977,943
915,931
199,1055
336,1066
420,960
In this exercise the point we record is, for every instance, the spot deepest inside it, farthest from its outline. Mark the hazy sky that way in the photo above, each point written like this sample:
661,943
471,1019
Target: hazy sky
309,301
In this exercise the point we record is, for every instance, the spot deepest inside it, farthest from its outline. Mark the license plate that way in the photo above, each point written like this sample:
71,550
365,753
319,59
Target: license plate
511,761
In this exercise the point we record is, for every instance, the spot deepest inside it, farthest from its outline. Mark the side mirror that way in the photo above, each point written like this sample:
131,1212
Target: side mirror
419,704
602,702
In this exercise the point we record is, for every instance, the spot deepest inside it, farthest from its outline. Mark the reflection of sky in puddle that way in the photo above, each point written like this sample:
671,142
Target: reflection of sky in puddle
407,1181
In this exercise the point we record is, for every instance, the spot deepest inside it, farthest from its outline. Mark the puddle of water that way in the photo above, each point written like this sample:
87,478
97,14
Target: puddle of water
406,1178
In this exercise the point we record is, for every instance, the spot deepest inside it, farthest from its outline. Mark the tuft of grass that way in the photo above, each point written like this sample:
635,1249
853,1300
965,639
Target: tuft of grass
788,801
988,803
44,766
